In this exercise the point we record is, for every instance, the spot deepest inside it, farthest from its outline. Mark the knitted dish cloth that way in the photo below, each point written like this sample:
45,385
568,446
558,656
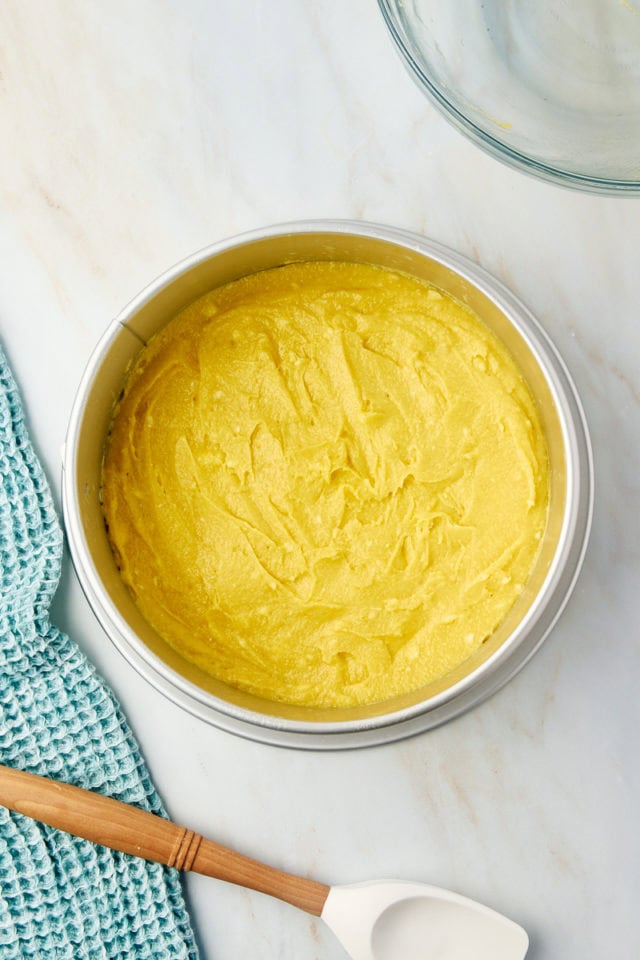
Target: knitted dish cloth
62,898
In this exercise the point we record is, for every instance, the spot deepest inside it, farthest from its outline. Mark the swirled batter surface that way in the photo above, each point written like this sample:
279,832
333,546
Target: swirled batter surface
326,483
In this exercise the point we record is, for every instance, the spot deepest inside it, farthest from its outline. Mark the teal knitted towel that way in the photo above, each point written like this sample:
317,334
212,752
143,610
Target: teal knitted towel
62,898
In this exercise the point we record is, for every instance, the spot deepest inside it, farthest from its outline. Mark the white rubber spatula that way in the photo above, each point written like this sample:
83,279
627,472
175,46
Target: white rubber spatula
382,920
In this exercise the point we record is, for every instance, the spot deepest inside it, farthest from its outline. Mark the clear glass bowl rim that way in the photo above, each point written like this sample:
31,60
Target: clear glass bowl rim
493,145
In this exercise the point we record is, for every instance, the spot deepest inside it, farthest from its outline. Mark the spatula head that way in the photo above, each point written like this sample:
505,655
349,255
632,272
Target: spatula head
391,919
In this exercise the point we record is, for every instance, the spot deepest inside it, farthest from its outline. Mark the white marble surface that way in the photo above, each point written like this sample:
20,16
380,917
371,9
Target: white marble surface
134,133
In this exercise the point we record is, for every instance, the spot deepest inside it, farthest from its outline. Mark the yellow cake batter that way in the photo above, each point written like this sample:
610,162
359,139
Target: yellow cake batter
326,483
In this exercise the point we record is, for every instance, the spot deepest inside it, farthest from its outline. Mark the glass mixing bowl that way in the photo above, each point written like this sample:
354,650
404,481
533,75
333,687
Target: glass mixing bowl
551,87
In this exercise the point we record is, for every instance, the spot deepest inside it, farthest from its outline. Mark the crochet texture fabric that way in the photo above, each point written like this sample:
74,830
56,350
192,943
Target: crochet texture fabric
62,898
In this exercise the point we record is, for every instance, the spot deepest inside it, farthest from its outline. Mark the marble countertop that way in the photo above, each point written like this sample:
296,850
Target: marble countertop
137,133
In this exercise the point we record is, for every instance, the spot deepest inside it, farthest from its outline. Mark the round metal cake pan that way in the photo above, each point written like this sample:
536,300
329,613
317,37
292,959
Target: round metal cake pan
563,546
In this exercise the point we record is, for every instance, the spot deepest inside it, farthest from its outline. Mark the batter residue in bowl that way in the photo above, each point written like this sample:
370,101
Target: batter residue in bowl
326,483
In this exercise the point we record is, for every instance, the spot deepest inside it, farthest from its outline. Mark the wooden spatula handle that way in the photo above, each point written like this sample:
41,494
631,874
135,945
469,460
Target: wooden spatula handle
126,828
